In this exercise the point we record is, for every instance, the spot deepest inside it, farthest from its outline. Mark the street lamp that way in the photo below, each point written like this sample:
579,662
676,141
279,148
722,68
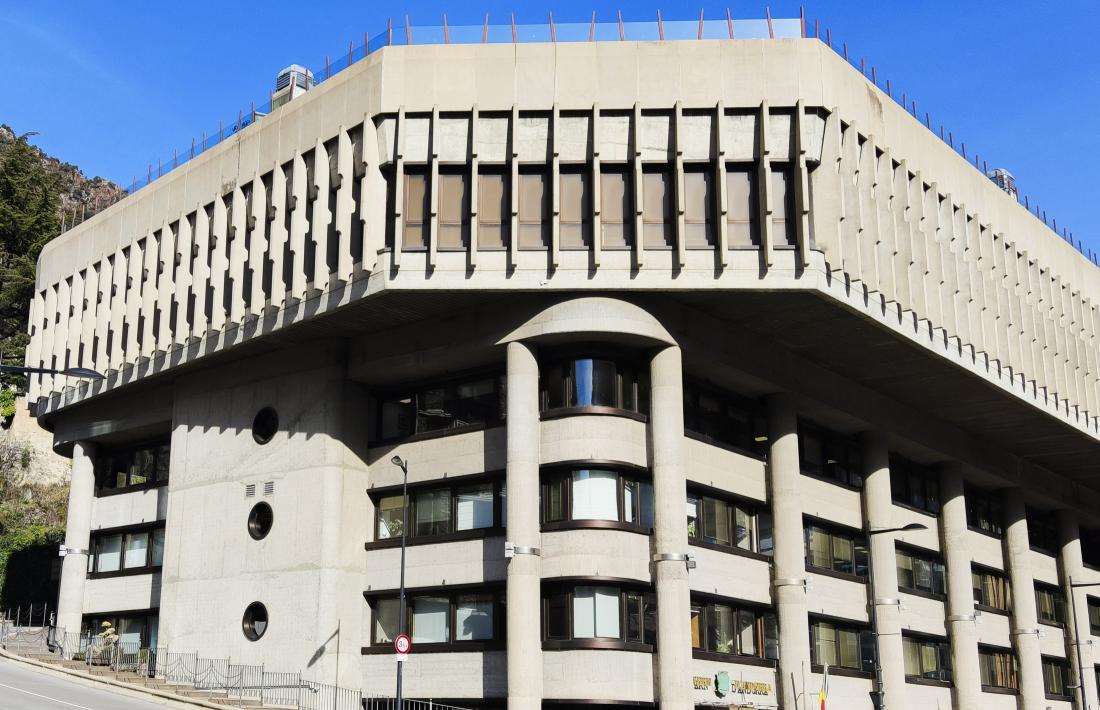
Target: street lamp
68,372
1077,639
877,694
404,466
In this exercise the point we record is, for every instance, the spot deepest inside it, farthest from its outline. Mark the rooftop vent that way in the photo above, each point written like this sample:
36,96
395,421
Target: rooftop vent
1004,180
292,82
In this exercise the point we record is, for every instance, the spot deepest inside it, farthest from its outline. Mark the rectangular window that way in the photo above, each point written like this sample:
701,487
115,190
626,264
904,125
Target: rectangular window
139,550
593,494
474,507
431,513
616,207
983,511
599,612
474,617
991,588
835,550
136,553
494,209
454,208
132,466
998,668
658,223
430,619
698,206
829,455
134,630
386,616
156,556
914,486
417,213
575,205
741,206
595,612
1042,531
450,619
843,645
641,618
1050,604
439,510
534,208
921,572
389,517
736,525
1056,677
449,405
109,553
782,205
1094,615
926,658
723,418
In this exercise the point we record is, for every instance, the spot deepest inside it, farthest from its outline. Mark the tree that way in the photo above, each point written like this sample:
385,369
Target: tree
29,199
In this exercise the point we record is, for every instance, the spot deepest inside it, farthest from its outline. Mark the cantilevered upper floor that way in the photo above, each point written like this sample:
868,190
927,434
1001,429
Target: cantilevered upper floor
768,167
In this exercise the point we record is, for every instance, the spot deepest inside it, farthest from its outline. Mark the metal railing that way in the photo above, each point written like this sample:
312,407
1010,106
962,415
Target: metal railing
592,31
239,683
407,34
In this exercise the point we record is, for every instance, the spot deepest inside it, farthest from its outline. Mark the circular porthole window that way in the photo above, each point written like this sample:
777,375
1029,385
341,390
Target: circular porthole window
254,623
259,521
265,425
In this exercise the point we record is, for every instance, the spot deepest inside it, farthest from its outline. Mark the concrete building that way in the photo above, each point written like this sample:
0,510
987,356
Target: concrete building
679,321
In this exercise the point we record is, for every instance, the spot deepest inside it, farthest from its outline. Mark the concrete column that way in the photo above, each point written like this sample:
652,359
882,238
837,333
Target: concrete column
878,512
78,526
670,535
1025,623
961,628
524,594
789,553
1073,569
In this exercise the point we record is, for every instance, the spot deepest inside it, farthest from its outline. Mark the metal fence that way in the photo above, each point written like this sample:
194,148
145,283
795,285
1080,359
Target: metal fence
242,684
237,682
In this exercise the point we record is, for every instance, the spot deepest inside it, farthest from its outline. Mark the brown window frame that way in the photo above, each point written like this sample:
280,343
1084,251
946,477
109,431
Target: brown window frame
627,590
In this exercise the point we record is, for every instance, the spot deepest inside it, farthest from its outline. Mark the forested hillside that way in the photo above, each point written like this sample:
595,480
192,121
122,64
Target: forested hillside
39,195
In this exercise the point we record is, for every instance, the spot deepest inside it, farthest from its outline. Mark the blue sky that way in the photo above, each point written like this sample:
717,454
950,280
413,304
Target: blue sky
113,86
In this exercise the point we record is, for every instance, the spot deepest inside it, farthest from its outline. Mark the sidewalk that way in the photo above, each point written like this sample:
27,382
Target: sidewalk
29,646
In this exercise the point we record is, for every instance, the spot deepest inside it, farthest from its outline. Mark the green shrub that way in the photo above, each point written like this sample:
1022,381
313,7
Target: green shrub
7,403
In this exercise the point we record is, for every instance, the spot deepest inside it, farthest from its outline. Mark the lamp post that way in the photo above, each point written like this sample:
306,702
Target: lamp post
68,372
404,466
1077,639
877,693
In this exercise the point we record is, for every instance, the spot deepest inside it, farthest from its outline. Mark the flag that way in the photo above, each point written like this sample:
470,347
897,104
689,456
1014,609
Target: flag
824,688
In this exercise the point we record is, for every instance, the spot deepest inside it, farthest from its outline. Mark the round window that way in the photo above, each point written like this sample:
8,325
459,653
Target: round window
254,623
265,425
259,521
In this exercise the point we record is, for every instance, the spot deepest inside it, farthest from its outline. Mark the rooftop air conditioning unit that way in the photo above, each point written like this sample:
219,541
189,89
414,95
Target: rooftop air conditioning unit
292,82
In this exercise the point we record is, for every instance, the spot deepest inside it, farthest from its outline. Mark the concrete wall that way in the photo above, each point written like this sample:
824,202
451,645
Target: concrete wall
308,571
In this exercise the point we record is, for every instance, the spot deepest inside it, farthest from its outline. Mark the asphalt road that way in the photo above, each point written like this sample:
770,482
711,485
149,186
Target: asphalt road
26,688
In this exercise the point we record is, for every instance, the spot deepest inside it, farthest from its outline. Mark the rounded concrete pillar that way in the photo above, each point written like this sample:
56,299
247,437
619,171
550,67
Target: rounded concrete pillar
1025,622
789,552
670,535
524,575
1073,571
878,512
961,627
78,526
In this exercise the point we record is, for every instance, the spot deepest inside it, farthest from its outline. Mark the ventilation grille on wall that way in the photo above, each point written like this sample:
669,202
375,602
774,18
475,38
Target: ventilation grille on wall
269,488
249,490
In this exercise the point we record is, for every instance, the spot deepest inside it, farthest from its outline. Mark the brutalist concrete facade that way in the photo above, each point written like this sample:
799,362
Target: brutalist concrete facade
579,287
